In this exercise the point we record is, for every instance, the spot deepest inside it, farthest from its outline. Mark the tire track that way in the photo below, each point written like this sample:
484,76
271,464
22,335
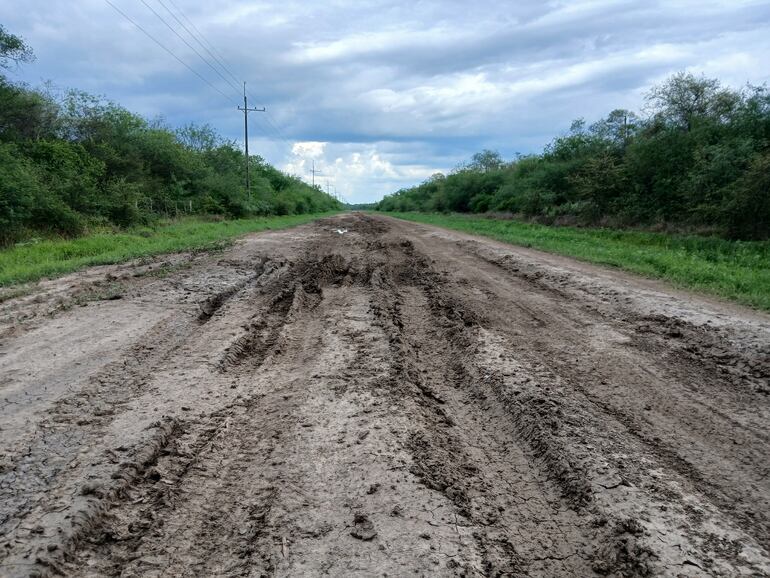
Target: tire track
395,401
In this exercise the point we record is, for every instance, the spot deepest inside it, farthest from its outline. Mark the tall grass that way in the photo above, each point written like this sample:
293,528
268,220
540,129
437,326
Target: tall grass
736,270
47,258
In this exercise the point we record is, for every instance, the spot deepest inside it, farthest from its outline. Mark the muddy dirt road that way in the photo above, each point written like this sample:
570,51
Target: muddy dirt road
396,400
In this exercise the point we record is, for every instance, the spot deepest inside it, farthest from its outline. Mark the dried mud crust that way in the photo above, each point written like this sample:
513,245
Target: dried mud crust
394,400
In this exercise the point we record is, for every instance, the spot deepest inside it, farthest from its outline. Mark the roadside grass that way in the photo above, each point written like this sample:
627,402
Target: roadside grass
32,261
735,270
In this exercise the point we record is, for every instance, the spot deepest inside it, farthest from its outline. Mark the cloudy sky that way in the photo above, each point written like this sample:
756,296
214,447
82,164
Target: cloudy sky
383,94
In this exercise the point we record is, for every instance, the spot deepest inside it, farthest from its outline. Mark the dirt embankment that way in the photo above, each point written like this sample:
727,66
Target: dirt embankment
394,400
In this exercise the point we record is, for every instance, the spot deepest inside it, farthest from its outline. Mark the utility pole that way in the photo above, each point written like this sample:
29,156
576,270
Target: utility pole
246,110
315,172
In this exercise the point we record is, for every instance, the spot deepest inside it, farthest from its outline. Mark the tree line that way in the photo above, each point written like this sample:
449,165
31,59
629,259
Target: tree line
73,162
699,159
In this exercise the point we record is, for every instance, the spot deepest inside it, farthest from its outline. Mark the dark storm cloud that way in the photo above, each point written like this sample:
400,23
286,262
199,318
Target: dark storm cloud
382,94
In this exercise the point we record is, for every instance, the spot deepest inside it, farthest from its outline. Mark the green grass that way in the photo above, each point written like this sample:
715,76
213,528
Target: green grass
48,258
735,270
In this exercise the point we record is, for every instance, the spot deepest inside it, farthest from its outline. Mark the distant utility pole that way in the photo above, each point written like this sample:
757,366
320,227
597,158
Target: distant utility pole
246,110
315,172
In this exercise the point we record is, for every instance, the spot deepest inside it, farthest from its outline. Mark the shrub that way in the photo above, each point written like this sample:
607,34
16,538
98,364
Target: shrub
748,212
19,186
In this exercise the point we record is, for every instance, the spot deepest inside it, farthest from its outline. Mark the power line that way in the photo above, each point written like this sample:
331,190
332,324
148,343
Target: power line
202,37
203,41
274,129
201,44
182,62
266,127
269,125
190,46
277,131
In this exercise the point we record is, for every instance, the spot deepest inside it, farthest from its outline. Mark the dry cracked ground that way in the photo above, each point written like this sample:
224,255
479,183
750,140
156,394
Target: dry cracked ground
392,400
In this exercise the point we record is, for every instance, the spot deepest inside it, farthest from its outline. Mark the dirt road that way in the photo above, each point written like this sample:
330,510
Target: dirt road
393,400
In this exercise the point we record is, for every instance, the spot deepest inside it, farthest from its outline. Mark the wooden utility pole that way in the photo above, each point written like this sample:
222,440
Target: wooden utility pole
246,110
315,172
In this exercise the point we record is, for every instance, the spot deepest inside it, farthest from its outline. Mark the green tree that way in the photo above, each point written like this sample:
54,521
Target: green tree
19,186
618,128
26,114
486,161
748,211
13,49
684,98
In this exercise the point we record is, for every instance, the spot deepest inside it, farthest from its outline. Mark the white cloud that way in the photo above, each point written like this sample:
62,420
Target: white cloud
310,149
358,172
372,42
382,93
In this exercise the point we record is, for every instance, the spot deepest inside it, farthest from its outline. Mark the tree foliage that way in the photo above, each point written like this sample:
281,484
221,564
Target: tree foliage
78,161
13,49
700,159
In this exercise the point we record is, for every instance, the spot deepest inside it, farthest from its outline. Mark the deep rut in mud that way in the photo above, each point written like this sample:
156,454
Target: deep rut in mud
393,401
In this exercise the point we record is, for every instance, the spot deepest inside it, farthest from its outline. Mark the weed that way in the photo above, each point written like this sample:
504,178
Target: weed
736,270
50,258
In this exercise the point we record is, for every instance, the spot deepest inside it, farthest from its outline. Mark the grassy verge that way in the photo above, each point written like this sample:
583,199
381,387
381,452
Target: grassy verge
736,270
33,261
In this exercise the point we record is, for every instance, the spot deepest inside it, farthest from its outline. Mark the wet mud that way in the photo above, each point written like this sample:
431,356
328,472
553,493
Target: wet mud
396,400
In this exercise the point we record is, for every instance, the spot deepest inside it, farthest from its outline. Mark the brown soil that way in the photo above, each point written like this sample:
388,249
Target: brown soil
395,400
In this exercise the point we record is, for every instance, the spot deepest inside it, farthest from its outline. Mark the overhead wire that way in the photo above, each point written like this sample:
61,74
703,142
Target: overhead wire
206,61
200,39
269,125
217,56
190,46
277,131
164,47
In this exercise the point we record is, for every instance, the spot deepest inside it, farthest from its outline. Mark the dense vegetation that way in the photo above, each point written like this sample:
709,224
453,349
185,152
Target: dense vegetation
699,160
75,162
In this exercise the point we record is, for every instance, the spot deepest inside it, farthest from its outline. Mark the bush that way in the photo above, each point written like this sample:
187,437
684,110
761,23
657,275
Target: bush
82,159
68,172
51,214
211,206
748,212
127,214
700,161
19,186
